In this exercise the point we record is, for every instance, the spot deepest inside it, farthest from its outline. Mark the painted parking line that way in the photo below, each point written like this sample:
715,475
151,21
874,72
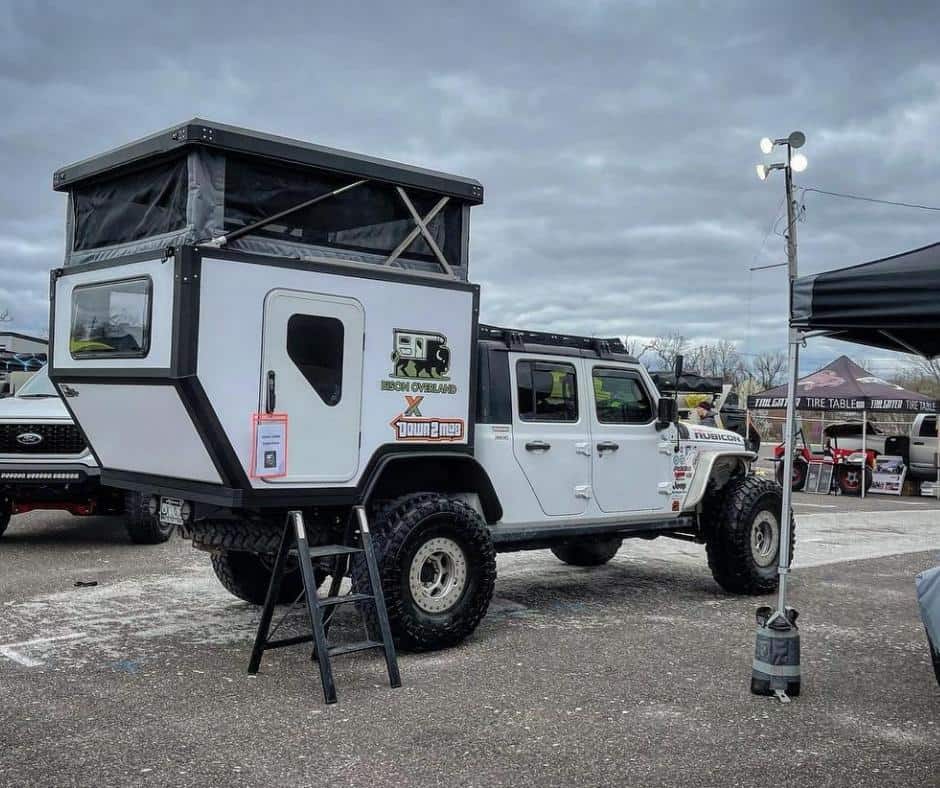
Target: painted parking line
815,505
11,650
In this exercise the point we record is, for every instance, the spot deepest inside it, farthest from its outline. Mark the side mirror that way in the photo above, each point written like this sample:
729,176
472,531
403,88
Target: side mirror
666,412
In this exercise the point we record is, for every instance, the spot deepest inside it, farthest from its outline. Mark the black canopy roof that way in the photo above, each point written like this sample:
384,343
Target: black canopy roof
844,385
665,380
892,303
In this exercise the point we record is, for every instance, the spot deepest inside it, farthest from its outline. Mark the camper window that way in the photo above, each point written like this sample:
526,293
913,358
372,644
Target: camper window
111,319
315,345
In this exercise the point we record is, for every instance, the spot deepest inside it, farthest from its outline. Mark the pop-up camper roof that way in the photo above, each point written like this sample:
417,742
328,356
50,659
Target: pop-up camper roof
207,183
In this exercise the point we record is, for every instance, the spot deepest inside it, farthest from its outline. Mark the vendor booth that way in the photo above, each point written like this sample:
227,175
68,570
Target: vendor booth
892,303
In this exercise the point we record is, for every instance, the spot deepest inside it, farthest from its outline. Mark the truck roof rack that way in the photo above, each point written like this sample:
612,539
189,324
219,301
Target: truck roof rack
519,339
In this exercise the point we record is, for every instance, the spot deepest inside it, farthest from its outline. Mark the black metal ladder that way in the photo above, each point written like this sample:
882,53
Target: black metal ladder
320,609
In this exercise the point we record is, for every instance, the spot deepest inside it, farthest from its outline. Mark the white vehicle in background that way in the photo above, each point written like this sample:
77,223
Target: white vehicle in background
45,463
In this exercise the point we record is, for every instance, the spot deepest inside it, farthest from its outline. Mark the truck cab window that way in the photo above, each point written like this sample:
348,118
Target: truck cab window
928,427
315,345
619,398
111,319
546,391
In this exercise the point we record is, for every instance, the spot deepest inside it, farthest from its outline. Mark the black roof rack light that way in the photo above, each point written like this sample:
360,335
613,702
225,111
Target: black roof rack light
517,339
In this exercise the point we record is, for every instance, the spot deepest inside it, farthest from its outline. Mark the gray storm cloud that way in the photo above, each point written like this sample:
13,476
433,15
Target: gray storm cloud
616,140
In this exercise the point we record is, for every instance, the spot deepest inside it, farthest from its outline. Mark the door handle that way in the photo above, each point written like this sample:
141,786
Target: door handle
919,443
607,446
270,399
537,446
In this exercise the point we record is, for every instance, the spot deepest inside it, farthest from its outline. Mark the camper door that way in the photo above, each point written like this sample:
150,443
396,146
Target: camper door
312,372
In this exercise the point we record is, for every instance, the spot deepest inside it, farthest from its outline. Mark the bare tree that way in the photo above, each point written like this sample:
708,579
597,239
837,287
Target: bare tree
666,348
635,346
768,368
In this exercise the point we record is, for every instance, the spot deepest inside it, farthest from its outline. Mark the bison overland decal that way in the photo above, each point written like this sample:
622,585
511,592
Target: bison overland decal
410,425
420,354
420,363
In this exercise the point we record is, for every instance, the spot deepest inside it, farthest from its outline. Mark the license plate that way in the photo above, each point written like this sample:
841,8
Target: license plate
171,511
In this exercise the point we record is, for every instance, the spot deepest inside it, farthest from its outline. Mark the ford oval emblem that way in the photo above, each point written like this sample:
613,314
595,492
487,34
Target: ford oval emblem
28,438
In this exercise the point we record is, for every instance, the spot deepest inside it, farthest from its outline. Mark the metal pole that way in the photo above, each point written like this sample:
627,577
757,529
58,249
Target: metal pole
864,453
793,366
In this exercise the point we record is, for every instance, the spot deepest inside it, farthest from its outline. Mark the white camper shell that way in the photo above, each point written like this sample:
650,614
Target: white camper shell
246,324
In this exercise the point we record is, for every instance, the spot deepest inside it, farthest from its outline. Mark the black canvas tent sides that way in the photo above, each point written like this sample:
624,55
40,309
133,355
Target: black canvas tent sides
688,382
892,303
202,182
844,385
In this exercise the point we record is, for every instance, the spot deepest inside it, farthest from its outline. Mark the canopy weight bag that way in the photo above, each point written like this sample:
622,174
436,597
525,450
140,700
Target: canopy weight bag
776,669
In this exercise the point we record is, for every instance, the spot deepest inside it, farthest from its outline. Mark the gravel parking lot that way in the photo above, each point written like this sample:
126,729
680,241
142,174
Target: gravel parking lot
632,674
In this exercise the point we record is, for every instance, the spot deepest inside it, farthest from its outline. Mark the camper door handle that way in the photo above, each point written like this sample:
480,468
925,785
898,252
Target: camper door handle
270,399
919,443
537,446
607,446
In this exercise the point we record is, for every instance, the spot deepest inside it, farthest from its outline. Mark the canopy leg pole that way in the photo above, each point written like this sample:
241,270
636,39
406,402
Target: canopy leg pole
793,364
864,452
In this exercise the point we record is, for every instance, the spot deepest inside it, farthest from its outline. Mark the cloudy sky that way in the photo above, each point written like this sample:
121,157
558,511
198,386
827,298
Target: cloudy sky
616,140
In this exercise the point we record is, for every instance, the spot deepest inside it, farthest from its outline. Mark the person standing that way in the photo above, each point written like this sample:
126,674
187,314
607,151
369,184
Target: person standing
706,416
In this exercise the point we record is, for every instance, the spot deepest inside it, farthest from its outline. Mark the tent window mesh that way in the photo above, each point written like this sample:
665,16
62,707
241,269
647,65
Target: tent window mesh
370,218
145,202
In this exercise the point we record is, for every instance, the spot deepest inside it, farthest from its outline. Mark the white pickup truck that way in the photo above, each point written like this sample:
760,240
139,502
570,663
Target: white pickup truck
921,456
46,464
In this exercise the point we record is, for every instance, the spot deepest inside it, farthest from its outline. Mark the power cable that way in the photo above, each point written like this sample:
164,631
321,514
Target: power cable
806,189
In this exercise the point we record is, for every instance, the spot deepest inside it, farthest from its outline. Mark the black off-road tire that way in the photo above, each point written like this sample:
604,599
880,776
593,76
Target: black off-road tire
400,530
6,512
246,535
247,575
730,518
588,552
799,474
855,488
143,527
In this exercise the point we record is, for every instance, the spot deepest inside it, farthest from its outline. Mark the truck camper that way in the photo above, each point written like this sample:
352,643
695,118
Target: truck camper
246,325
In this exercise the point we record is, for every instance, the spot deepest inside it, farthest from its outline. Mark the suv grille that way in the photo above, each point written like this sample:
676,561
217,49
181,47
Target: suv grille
56,439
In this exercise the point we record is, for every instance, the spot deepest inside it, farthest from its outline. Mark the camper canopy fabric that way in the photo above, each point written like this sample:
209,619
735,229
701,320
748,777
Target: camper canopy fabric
892,303
844,385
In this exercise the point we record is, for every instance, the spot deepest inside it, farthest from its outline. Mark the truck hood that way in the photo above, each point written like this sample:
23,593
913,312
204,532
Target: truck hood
19,409
712,437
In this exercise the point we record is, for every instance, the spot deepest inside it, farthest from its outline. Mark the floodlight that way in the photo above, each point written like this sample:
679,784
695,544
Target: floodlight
796,139
766,145
761,172
798,162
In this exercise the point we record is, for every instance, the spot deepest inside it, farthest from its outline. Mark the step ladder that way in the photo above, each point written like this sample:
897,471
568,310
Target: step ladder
320,610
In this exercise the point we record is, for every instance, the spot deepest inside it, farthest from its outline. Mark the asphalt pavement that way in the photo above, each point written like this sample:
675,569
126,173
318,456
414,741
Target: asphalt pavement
635,673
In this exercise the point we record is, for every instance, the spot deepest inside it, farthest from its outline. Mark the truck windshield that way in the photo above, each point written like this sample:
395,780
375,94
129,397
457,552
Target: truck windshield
38,385
111,319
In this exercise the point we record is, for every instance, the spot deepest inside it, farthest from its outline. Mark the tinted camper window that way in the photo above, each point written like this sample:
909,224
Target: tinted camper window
546,391
315,345
111,319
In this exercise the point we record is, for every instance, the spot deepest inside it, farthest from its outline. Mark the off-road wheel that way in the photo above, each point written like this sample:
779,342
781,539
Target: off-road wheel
6,512
742,532
247,575
588,552
799,474
437,565
143,527
849,479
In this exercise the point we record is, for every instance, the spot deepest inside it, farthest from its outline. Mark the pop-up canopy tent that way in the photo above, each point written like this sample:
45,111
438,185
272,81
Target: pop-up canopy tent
892,303
844,385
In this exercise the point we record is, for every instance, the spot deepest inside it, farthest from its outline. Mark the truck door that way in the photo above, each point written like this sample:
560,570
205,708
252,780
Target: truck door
550,434
924,447
312,364
628,466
